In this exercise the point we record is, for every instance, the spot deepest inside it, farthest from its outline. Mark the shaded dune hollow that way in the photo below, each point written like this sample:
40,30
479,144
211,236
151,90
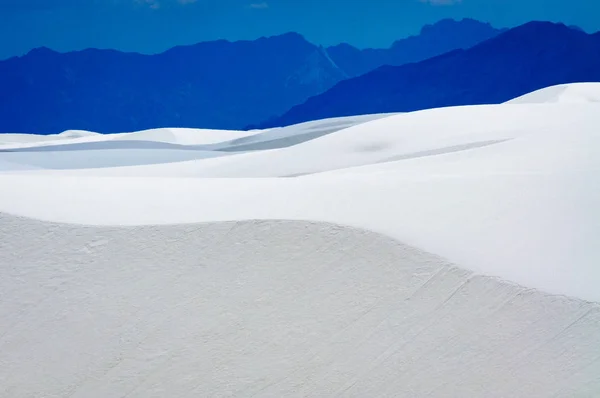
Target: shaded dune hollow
273,309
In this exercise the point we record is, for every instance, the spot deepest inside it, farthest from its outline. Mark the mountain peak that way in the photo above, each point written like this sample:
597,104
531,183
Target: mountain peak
543,26
536,35
40,51
450,34
285,37
343,47
449,24
442,37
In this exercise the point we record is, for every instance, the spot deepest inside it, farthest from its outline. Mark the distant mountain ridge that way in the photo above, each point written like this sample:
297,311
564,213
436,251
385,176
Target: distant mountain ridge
433,40
521,60
218,84
213,85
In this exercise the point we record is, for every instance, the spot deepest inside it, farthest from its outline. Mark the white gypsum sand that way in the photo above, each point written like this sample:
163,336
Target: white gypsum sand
448,252
272,309
562,93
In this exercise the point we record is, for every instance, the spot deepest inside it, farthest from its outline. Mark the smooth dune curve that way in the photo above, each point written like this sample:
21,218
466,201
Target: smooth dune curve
273,309
562,93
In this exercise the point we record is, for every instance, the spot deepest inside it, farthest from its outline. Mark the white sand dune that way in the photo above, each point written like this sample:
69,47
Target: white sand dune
183,136
176,136
444,253
405,136
33,138
542,230
77,134
273,309
563,93
87,151
425,134
291,135
89,157
90,151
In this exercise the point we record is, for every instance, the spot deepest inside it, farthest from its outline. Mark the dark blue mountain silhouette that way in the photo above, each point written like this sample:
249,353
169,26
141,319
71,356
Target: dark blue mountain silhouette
521,60
439,38
214,85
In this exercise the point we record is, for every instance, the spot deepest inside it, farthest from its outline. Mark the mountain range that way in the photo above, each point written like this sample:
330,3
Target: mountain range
439,38
521,60
214,84
285,79
219,84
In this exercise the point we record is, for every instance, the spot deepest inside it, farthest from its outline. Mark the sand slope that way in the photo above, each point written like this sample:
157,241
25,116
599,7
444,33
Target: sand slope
562,93
296,309
155,149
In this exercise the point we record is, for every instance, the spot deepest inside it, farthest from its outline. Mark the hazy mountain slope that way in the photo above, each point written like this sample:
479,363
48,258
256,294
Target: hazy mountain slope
214,84
439,38
524,59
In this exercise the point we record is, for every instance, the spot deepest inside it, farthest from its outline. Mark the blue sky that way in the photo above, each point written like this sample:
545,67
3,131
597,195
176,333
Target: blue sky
154,25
